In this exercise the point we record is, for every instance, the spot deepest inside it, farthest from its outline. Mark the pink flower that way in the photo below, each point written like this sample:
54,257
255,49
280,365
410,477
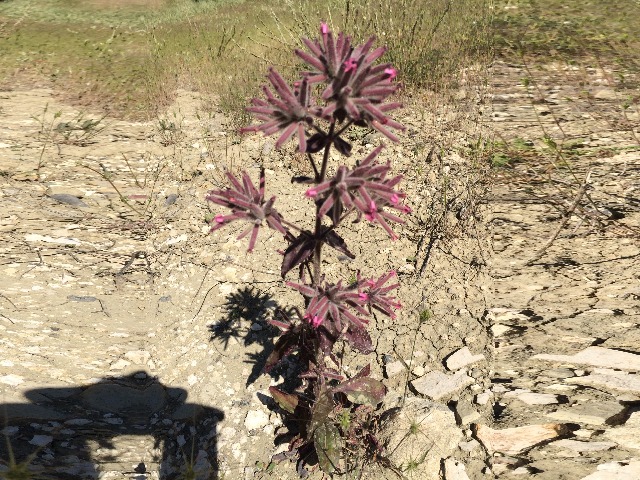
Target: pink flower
219,219
324,28
311,193
392,72
350,65
394,198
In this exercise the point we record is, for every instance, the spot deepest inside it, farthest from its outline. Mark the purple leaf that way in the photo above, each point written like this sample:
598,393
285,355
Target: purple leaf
298,252
316,142
359,339
336,241
320,411
286,401
284,345
363,390
328,443
343,147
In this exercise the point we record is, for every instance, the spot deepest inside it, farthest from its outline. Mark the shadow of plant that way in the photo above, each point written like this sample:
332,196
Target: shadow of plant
246,313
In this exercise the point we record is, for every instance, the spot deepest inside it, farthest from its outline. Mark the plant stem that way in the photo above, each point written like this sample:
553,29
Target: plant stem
317,254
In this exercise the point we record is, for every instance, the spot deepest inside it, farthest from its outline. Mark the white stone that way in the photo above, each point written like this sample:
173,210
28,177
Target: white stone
462,358
256,419
628,435
610,382
532,398
454,470
512,441
138,357
119,364
469,446
11,379
597,357
483,398
629,470
498,329
436,385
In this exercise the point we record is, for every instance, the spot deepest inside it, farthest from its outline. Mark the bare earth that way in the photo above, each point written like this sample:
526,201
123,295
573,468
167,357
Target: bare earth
132,340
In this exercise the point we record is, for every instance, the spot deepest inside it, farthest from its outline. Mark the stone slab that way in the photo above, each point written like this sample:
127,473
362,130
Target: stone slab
597,357
592,413
436,385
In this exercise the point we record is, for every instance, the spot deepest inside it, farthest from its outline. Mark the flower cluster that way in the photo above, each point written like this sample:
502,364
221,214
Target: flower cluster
364,188
246,203
356,87
356,90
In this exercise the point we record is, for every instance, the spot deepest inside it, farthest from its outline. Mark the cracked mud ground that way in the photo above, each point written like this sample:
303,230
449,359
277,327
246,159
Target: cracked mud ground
132,340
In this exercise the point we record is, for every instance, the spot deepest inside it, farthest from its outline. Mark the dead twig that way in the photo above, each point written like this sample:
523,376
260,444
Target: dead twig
583,189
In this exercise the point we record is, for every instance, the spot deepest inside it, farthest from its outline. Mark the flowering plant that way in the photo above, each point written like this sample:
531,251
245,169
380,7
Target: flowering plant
353,92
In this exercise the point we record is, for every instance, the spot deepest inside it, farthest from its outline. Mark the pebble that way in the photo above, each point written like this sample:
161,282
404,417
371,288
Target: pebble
513,441
454,470
461,358
256,419
466,413
41,440
436,384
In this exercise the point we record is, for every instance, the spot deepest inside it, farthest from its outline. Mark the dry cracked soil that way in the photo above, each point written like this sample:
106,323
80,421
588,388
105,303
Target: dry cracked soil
132,339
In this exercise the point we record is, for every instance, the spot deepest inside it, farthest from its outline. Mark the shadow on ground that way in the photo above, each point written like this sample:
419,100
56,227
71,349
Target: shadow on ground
81,432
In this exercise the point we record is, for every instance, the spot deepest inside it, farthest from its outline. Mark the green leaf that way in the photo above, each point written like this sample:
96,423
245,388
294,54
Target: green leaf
286,401
363,390
328,445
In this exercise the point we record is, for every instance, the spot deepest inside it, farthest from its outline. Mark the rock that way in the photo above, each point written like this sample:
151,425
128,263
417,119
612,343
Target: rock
119,364
578,446
597,357
605,94
628,435
466,413
256,419
436,385
138,357
12,380
513,441
410,437
593,413
498,329
559,373
483,398
41,440
454,470
532,398
621,383
393,368
469,446
68,200
628,470
462,358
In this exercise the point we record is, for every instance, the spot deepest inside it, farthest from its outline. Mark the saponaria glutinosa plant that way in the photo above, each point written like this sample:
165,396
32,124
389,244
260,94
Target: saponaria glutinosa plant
331,411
